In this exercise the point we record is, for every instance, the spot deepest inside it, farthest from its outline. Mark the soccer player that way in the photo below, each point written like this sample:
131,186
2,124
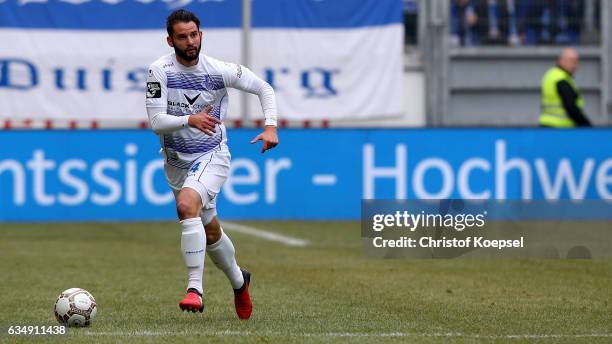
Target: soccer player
186,101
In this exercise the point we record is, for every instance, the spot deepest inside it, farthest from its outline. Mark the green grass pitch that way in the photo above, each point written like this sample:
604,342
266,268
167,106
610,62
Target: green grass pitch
324,292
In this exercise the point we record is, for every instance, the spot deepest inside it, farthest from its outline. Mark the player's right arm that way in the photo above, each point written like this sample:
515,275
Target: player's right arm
157,105
203,121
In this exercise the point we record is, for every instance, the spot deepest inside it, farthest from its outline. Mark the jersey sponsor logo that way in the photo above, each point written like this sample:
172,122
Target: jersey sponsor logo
191,100
178,104
153,90
184,109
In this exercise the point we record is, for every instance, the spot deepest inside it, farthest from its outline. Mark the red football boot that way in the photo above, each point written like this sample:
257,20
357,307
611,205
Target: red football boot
242,300
192,301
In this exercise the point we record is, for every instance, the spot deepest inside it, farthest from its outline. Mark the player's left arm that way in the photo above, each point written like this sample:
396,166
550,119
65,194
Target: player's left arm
241,78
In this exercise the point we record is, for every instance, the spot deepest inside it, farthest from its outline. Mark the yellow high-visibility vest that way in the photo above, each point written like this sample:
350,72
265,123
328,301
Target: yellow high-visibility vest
553,113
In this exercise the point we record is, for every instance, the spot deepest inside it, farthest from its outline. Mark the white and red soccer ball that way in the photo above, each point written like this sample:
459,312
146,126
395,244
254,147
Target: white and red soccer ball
75,307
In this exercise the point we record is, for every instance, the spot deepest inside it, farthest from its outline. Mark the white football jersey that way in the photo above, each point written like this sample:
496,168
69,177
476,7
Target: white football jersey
177,90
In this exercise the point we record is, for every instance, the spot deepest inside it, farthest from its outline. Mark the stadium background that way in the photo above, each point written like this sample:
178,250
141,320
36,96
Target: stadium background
80,65
377,99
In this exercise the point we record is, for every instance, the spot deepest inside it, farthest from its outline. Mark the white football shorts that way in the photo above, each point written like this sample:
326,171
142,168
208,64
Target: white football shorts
206,175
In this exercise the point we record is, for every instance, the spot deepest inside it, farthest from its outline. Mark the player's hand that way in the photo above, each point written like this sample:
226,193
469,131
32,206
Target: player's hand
269,138
203,121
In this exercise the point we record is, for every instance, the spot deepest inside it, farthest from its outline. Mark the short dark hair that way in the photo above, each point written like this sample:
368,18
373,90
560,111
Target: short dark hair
180,16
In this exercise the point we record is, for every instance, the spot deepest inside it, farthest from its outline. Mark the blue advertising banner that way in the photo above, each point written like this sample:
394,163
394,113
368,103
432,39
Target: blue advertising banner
142,15
312,174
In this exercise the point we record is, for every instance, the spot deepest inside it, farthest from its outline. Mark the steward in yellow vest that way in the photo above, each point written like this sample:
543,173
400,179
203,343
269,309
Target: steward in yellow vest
562,104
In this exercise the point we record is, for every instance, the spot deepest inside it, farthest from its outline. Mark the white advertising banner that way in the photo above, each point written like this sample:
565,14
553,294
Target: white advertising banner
87,60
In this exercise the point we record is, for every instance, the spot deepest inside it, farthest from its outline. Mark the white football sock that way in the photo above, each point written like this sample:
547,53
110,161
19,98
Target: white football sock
193,242
223,255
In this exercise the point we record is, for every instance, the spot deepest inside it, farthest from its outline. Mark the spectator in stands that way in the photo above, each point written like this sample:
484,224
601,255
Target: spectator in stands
562,103
463,23
529,19
529,22
494,21
411,10
567,21
550,21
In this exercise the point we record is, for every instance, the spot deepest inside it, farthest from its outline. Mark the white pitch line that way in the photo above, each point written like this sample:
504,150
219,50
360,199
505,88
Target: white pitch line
348,334
260,233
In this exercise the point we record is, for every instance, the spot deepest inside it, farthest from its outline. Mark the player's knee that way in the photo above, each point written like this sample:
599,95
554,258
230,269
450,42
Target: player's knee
187,209
212,238
213,232
188,204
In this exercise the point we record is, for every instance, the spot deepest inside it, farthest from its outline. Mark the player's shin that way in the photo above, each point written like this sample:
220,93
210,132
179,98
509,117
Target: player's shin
193,243
223,255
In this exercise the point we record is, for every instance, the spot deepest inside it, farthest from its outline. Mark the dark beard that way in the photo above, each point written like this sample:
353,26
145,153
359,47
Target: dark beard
183,55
